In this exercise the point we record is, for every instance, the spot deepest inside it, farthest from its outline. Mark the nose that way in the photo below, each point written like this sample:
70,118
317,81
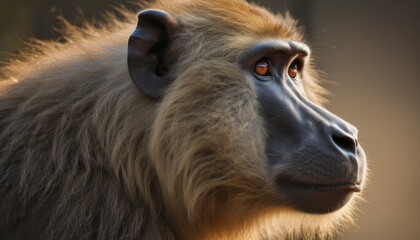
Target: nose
342,135
344,140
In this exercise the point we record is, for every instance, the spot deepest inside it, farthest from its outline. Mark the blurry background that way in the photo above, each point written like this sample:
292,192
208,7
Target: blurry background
370,49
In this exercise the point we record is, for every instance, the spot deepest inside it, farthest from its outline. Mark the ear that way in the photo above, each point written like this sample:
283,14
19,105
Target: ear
147,51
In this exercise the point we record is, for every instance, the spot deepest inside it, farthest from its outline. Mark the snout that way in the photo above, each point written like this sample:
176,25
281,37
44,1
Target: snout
314,156
327,168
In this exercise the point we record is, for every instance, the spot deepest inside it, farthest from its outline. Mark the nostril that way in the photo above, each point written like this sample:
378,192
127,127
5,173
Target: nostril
345,143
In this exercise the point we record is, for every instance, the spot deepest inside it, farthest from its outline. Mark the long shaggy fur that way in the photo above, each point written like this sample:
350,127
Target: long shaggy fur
85,155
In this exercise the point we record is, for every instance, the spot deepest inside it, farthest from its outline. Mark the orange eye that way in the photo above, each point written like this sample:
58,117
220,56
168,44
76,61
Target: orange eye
261,68
293,70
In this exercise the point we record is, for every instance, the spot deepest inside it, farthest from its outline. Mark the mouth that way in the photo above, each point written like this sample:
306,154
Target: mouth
346,186
317,198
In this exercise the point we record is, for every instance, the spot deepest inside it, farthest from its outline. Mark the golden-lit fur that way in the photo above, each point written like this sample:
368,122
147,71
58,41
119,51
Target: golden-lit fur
84,154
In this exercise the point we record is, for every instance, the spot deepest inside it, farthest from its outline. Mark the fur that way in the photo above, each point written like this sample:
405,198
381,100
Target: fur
85,155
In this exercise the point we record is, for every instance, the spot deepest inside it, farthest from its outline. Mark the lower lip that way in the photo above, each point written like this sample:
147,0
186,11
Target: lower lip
316,198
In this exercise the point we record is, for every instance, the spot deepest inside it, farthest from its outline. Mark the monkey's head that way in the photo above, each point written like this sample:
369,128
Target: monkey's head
238,130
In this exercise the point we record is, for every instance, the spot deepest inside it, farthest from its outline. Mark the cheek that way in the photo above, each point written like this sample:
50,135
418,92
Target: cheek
278,107
216,140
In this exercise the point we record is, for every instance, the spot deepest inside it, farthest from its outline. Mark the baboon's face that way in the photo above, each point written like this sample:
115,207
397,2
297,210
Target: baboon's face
314,155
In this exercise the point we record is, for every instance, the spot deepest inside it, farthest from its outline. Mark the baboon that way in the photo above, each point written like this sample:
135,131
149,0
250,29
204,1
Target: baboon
196,120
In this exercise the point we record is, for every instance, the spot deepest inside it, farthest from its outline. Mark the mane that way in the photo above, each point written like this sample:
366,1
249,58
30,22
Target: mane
74,104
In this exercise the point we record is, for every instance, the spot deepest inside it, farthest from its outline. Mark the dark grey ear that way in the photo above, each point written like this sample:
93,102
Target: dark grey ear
147,51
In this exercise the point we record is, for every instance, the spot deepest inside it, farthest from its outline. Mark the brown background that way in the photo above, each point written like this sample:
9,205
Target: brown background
370,49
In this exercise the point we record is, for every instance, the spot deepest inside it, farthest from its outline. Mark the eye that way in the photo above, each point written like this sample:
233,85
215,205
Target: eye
294,69
262,68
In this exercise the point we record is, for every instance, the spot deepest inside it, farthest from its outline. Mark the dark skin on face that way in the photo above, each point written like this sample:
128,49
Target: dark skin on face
315,157
324,161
